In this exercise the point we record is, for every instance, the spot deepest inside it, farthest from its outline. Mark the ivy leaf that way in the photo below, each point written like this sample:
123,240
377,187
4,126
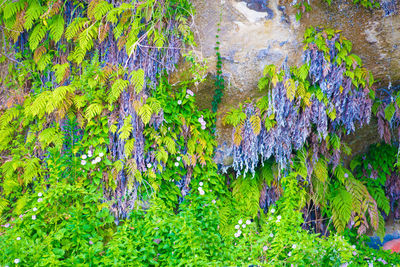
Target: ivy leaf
389,111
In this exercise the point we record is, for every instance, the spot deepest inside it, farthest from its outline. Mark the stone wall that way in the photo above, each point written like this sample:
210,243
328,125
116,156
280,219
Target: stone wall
255,33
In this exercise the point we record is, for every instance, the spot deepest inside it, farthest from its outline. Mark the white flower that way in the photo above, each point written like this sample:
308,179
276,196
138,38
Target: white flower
278,221
148,165
201,192
16,261
203,127
203,123
7,225
18,238
179,102
239,232
244,226
84,156
189,92
98,159
90,153
201,183
200,188
33,217
353,246
236,235
187,96
271,235
272,210
39,200
279,217
101,154
178,158
40,194
240,221
200,119
94,161
248,222
237,226
176,164
83,162
265,248
294,246
213,201
290,254
34,209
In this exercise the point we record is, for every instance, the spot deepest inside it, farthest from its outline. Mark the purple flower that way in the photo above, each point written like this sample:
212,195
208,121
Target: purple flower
90,242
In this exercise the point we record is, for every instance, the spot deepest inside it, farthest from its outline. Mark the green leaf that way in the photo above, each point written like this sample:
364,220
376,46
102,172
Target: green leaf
389,111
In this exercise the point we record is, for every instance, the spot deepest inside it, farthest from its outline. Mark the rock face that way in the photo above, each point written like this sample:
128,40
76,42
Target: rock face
255,33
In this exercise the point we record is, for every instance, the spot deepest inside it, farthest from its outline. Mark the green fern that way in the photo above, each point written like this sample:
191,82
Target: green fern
137,80
32,14
145,113
37,36
341,207
116,89
57,28
126,129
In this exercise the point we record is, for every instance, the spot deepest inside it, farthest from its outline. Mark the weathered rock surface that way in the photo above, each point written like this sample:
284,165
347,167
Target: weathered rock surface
255,33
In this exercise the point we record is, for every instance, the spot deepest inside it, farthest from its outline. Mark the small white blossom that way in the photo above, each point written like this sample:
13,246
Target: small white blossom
271,235
248,222
294,246
265,248
239,232
203,127
187,96
40,194
94,161
83,156
201,192
189,92
18,238
101,154
244,226
39,200
98,159
178,158
83,162
34,209
33,217
148,165
179,102
201,183
240,221
16,261
279,217
90,153
290,254
200,119
278,221
236,235
200,188
272,210
176,164
213,201
7,225
237,226
353,246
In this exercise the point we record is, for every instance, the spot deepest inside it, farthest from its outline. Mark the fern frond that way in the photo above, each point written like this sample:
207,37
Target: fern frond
61,71
44,61
51,136
341,207
36,36
76,26
11,8
129,146
170,144
126,129
57,28
3,205
93,110
137,79
255,124
321,170
145,113
116,89
8,116
31,170
101,9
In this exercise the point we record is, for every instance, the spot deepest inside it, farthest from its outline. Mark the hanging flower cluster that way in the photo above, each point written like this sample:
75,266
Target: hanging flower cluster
313,104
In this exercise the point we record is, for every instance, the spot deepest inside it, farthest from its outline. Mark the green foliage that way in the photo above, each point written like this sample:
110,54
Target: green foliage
219,82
